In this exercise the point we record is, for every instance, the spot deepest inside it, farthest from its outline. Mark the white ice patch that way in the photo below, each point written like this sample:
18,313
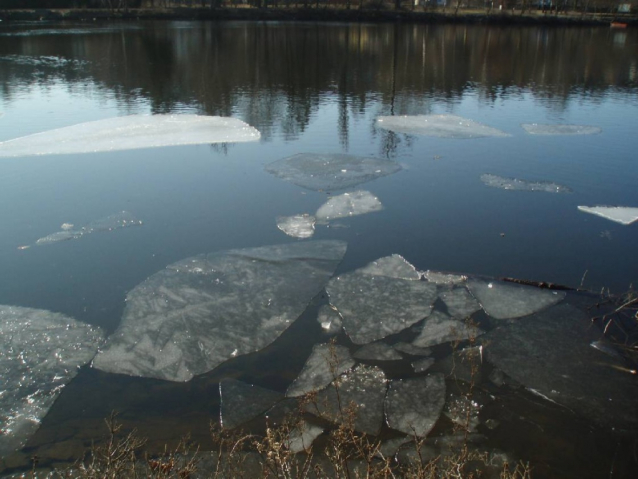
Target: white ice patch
131,132
440,126
123,219
377,352
297,226
541,129
348,204
199,312
439,328
516,184
40,352
325,363
620,214
241,402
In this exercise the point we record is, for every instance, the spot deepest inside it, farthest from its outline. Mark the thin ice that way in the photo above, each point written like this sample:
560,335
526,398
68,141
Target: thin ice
620,214
123,219
325,364
557,129
440,126
517,184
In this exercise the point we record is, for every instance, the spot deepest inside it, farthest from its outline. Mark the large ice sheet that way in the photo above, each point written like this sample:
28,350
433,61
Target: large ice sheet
620,214
550,353
414,405
297,226
123,219
557,129
348,204
440,126
523,185
439,328
199,312
131,132
375,306
364,388
325,364
321,172
40,352
459,302
502,300
241,402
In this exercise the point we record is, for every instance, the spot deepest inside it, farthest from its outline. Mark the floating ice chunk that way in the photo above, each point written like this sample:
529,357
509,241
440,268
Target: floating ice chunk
298,226
199,312
540,129
438,277
323,366
503,300
377,352
413,406
440,126
373,307
241,402
394,266
411,349
119,220
40,352
422,365
364,389
460,303
348,204
131,132
523,185
620,214
463,412
439,328
331,171
301,437
329,320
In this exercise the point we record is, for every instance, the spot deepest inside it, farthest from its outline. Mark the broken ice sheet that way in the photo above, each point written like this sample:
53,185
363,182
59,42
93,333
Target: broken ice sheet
241,402
40,352
523,185
348,204
620,214
119,220
360,392
302,436
376,306
413,406
459,302
377,352
439,328
297,226
322,172
199,312
502,300
440,126
326,362
557,129
131,132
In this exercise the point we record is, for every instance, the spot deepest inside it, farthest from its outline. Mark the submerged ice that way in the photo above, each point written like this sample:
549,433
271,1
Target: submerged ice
441,126
131,132
199,312
619,214
541,129
40,352
523,185
241,402
348,204
119,220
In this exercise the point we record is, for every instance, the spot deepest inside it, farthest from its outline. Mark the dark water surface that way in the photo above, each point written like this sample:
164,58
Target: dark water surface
315,88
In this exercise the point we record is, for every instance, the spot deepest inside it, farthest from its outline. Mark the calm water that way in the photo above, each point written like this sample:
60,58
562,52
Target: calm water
306,88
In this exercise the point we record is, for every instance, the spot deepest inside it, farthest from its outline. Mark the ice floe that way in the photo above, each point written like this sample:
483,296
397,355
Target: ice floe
439,328
325,364
329,320
241,402
377,352
517,184
131,132
502,300
302,436
459,302
199,312
413,406
360,393
348,204
123,219
620,214
422,365
557,129
393,266
375,306
440,126
40,352
322,172
297,226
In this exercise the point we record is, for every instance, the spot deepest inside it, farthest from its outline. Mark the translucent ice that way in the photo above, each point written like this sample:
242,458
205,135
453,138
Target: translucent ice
362,389
40,352
441,126
131,132
297,226
330,171
199,312
329,319
503,300
523,185
301,437
439,328
414,405
241,402
620,214
460,303
539,129
394,266
119,220
348,204
325,364
377,352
